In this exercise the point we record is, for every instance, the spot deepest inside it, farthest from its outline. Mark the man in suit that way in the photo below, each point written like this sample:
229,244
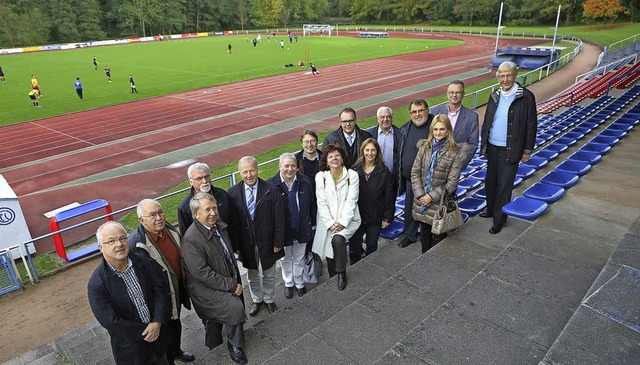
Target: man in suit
262,222
128,295
157,238
463,120
213,277
388,137
348,135
509,134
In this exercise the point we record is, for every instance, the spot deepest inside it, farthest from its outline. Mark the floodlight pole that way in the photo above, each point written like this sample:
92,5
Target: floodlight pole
555,32
499,28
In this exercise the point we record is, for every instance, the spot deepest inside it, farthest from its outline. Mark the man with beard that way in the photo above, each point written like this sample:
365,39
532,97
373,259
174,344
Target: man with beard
410,133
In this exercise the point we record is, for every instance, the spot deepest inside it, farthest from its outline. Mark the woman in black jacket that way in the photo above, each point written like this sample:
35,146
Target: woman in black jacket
376,199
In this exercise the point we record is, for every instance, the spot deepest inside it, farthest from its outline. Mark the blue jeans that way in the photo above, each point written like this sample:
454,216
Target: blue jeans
355,243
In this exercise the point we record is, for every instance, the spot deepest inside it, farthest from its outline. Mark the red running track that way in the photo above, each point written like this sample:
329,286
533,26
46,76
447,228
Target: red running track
45,153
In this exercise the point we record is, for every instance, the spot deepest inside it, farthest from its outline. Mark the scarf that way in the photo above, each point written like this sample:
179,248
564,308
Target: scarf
437,147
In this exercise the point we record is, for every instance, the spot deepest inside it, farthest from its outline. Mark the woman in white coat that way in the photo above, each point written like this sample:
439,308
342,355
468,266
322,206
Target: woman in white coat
338,215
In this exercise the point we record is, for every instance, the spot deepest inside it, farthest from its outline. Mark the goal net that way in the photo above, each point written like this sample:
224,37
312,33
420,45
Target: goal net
321,29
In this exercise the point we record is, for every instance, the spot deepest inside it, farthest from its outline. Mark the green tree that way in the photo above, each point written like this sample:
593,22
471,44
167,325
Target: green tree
480,10
267,13
89,20
137,15
63,21
23,24
603,9
633,7
411,11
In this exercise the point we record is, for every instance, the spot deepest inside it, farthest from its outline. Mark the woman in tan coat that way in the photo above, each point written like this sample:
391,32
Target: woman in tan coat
435,172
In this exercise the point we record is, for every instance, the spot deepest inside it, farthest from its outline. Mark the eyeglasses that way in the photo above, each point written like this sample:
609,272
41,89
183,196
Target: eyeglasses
385,117
348,121
506,76
200,178
309,142
122,239
418,111
153,215
455,92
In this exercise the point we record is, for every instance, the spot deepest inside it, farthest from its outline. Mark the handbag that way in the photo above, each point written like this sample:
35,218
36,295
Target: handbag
447,217
312,267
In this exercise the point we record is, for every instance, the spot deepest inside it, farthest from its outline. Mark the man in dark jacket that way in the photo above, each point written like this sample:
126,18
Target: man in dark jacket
410,133
348,135
129,297
200,180
508,137
161,242
309,157
388,137
300,195
213,277
262,223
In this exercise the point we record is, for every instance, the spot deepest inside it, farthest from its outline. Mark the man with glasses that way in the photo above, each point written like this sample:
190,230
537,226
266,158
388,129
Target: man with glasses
388,137
309,158
156,237
348,135
200,180
129,298
463,120
508,137
410,133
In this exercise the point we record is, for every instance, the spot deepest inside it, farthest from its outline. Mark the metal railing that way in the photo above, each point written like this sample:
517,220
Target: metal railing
608,67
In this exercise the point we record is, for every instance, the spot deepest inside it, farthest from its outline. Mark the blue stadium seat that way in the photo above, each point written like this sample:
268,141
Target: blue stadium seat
599,148
544,192
607,132
393,231
574,167
567,141
564,179
618,126
611,141
588,157
546,154
478,164
573,134
536,162
460,191
469,183
480,193
465,217
517,181
472,206
525,208
479,175
556,147
525,172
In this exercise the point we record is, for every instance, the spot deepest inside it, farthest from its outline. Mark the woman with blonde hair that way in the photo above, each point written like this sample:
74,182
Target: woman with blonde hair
435,173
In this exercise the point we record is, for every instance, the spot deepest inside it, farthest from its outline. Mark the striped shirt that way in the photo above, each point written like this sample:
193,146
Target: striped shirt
134,290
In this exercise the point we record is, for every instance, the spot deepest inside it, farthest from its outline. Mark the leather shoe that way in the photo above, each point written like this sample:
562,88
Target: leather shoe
236,354
272,307
342,280
288,292
255,308
184,356
302,291
405,242
495,229
484,214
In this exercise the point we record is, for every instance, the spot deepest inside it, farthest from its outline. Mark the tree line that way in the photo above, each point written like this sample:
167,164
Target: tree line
26,22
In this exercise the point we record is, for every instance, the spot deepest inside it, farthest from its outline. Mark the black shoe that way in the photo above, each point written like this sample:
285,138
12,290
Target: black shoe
272,307
342,280
302,291
288,292
255,308
184,356
236,354
405,242
495,229
484,214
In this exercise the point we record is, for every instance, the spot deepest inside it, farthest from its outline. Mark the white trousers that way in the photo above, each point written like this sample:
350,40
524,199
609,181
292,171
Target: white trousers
293,265
262,288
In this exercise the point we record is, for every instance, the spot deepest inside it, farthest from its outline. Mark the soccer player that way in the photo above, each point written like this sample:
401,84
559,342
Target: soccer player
314,69
34,85
33,95
95,62
132,84
78,86
229,48
107,72
2,75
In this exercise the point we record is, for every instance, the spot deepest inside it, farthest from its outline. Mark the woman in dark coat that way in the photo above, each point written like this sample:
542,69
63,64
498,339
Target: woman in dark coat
376,199
435,172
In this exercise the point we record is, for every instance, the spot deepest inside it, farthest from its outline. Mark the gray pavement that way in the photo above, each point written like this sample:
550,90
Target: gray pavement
560,290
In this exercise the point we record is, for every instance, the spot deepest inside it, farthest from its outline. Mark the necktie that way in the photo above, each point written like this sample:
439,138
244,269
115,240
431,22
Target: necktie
350,140
227,254
251,203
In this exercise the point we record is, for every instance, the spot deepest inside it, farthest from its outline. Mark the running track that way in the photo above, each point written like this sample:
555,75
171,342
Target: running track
38,156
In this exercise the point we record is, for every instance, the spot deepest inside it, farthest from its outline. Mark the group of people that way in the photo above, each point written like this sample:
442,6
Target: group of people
35,93
330,201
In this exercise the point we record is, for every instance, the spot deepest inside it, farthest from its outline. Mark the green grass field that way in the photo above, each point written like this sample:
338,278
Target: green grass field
166,67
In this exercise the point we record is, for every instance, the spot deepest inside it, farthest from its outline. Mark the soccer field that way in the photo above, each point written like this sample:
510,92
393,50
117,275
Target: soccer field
172,66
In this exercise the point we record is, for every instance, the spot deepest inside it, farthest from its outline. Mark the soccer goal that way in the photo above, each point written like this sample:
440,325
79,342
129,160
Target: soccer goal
322,29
